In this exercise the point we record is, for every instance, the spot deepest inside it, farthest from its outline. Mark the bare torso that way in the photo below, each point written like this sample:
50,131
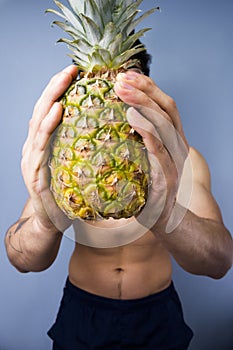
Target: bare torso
132,271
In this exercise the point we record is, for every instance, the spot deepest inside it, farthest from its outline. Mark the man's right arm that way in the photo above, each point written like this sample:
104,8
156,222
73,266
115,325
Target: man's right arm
30,245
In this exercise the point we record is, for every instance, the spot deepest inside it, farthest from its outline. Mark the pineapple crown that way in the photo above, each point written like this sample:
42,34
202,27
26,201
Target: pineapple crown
102,32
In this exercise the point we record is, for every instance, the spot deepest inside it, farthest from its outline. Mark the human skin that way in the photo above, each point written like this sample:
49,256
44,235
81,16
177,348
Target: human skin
200,242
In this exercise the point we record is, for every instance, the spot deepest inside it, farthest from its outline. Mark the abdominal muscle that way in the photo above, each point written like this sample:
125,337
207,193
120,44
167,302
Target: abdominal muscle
132,271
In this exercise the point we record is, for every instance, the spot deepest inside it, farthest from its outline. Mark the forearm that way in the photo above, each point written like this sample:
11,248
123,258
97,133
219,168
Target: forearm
31,246
200,246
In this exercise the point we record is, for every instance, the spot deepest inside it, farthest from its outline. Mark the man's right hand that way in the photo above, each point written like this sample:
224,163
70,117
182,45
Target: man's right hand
46,117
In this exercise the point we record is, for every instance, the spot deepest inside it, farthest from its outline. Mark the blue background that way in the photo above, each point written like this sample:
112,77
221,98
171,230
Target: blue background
192,47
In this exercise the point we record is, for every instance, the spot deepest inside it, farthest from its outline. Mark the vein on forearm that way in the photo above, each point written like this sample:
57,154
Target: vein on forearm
30,247
200,245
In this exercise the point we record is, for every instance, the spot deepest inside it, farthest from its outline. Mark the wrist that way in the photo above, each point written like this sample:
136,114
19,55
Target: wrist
166,218
44,225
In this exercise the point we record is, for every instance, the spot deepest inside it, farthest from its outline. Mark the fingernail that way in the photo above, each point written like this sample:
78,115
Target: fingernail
121,76
132,74
126,86
67,68
129,75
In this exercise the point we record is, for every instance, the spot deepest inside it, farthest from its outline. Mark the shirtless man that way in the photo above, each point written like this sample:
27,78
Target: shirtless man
122,297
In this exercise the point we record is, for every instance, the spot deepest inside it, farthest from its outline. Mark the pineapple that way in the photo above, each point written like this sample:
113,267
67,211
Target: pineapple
99,165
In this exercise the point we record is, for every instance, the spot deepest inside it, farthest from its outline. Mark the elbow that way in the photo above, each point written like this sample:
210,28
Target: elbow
214,266
19,269
223,264
28,266
25,268
17,264
218,274
223,269
222,258
23,265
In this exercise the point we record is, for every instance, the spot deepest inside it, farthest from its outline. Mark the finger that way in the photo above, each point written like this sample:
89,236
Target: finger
148,86
147,107
48,125
171,136
161,142
157,194
151,138
158,132
136,97
59,83
38,139
133,80
56,87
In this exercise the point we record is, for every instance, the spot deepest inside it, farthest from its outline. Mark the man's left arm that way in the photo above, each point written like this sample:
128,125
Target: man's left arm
197,238
200,243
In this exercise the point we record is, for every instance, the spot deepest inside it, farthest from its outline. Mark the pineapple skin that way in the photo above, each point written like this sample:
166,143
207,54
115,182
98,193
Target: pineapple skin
99,164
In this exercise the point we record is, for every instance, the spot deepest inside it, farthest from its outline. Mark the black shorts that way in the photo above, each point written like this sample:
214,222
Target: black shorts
89,322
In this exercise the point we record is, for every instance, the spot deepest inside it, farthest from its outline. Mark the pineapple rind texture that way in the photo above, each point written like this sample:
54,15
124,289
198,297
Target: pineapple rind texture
99,165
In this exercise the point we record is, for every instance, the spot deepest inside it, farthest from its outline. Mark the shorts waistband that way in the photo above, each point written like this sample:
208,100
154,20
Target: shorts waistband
109,303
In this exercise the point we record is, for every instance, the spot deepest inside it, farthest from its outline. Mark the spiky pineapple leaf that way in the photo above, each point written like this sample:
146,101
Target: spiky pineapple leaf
83,65
130,9
129,42
73,46
135,23
91,29
70,16
92,11
127,2
96,61
108,35
125,21
80,44
106,7
104,54
125,56
70,30
81,55
56,13
77,5
115,45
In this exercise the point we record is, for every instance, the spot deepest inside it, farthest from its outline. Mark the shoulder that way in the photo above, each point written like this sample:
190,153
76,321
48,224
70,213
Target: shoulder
195,155
195,187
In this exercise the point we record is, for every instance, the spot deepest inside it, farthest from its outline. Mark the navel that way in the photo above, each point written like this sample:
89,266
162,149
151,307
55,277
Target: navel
119,270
